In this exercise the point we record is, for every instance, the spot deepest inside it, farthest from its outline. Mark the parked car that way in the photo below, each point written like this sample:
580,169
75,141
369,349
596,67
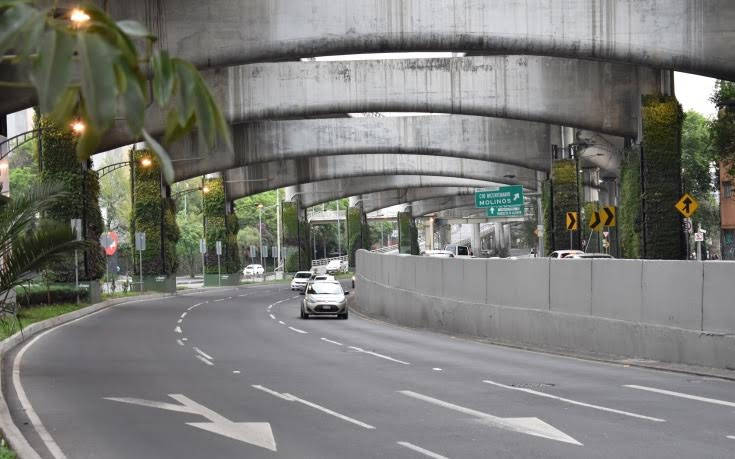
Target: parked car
458,250
564,253
253,270
324,298
589,255
438,253
300,280
336,266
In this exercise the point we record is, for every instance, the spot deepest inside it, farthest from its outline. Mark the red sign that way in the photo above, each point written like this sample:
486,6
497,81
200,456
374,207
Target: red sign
109,242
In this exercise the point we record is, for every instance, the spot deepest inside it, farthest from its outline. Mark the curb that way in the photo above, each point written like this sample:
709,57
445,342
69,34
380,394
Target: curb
12,434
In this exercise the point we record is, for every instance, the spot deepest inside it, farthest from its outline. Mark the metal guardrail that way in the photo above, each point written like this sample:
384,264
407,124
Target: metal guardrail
325,261
7,146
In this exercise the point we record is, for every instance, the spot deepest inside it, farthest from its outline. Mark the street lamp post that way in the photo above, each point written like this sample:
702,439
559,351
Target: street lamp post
260,232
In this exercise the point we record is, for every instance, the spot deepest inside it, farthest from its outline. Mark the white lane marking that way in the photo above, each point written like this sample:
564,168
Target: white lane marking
714,401
298,331
574,402
229,297
221,299
194,306
282,322
359,349
177,329
245,294
437,369
272,316
184,339
204,360
333,342
26,404
269,307
180,343
179,321
202,353
421,450
293,398
731,437
235,372
184,315
255,433
528,426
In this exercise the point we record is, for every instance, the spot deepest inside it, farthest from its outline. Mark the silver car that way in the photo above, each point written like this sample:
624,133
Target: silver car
324,298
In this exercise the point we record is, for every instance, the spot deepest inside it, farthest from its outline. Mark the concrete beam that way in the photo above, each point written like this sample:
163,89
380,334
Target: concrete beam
312,194
257,178
421,208
389,198
597,96
688,35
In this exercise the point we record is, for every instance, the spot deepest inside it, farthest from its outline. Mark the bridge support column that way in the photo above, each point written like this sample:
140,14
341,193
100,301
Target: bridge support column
476,244
445,235
408,237
358,231
220,224
429,233
564,197
297,252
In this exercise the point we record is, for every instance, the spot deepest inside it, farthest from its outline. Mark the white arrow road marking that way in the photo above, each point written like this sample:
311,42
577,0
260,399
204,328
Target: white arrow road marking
204,360
292,398
254,433
714,401
574,402
202,353
731,437
421,450
359,349
528,426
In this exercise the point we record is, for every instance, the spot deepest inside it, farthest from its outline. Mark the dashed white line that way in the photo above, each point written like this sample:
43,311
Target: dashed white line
359,349
235,372
293,398
221,299
245,294
202,353
574,402
184,339
194,306
298,331
282,322
204,360
333,342
272,316
437,369
180,343
177,329
731,437
714,401
421,450
184,315
179,321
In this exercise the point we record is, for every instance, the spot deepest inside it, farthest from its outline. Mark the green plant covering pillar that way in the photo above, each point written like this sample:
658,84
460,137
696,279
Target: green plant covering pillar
220,224
295,237
629,210
662,235
154,214
408,235
358,232
559,197
58,163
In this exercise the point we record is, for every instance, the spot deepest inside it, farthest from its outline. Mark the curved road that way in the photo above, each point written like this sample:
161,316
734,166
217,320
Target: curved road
235,373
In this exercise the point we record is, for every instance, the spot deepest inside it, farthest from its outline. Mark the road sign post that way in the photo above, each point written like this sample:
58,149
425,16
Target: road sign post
203,251
572,226
76,227
140,247
219,266
687,205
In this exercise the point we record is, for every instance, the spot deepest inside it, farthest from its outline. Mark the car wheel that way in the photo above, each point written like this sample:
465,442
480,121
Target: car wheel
304,315
344,315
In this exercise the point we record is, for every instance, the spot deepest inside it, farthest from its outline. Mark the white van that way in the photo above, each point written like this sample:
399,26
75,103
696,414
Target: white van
458,250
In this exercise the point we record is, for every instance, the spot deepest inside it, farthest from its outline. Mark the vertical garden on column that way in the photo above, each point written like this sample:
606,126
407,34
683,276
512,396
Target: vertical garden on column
358,232
153,214
661,178
220,225
58,163
562,196
408,234
295,238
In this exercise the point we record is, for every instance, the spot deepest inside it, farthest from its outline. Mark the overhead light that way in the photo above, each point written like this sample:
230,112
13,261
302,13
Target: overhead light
78,17
78,127
205,189
146,162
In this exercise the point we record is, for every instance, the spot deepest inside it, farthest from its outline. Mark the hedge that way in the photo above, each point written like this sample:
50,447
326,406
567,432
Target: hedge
565,189
58,163
220,226
58,293
147,211
661,167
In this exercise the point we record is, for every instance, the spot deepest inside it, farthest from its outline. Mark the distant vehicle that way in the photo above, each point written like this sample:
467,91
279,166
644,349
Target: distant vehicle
438,253
253,270
589,255
324,298
458,250
300,279
336,266
564,253
316,277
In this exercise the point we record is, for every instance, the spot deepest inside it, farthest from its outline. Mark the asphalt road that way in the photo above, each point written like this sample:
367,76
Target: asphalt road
236,373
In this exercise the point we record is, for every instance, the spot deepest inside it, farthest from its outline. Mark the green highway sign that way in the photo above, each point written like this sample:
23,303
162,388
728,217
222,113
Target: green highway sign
507,196
502,212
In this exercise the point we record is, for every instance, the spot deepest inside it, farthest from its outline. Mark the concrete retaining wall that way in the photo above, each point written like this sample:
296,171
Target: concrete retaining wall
670,311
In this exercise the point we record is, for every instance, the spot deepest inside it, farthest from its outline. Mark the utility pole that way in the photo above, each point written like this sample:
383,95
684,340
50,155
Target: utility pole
339,234
278,226
260,231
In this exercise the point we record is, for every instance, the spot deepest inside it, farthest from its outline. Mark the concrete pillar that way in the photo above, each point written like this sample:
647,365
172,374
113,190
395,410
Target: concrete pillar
408,237
498,242
295,237
358,233
429,233
445,235
540,178
507,243
476,244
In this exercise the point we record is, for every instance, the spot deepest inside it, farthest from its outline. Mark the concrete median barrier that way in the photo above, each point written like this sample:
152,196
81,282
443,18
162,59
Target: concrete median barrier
668,311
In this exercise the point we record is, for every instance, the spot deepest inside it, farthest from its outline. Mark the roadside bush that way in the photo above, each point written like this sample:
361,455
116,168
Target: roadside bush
55,293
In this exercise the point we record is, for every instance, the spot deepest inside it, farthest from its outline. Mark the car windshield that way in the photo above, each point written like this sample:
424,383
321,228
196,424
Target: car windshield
302,275
325,288
462,250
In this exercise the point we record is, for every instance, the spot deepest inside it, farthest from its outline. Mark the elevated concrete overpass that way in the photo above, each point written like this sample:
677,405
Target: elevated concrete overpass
384,199
257,178
685,35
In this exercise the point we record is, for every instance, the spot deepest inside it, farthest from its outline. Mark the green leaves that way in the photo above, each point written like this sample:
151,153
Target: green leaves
97,58
167,167
51,71
163,77
13,20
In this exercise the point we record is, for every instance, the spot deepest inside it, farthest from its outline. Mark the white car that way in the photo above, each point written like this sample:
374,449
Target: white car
253,270
300,279
335,266
565,253
324,298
